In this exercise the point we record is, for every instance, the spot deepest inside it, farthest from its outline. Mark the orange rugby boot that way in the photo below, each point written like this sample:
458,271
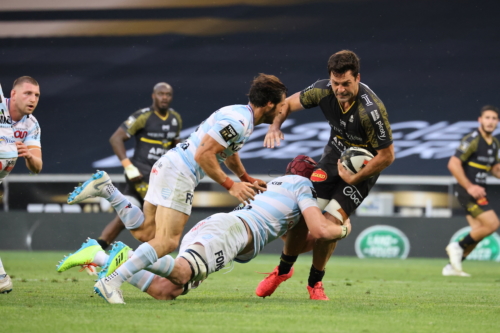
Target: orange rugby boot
267,286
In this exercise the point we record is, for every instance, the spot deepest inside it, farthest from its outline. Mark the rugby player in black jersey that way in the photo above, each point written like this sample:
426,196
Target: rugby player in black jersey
358,118
156,129
476,156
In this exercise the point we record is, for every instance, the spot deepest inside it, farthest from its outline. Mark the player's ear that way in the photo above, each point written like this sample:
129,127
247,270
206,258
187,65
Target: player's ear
358,77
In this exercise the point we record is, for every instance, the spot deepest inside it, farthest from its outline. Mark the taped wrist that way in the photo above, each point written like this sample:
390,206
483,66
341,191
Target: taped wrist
246,178
131,171
344,232
228,183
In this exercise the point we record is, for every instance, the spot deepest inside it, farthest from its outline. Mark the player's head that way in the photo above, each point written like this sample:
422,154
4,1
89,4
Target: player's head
269,93
343,69
488,120
301,165
25,95
162,96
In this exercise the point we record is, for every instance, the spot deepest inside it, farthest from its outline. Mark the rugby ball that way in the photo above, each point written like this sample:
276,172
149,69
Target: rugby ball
355,158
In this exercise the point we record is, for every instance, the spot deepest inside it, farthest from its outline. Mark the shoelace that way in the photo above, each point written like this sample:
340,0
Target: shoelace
90,267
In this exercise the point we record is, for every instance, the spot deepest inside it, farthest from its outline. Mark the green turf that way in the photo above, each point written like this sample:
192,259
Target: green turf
365,296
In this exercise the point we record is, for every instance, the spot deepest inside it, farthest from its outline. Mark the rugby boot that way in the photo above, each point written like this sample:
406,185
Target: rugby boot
5,284
267,286
83,257
448,270
318,292
455,253
107,290
117,256
99,185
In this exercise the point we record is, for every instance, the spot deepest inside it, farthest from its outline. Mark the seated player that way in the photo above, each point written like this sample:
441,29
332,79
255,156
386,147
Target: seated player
212,243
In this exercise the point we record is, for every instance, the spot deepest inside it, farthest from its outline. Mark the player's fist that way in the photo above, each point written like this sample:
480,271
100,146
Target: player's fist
132,173
476,191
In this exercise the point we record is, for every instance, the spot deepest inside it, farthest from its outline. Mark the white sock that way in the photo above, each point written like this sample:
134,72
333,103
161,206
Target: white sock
163,266
144,256
101,258
2,270
131,215
141,280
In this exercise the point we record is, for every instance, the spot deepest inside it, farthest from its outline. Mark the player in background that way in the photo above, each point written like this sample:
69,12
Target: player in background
476,156
240,235
19,130
175,175
357,118
156,129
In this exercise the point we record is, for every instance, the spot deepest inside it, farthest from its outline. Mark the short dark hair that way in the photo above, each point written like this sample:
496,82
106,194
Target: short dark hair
24,79
489,108
343,61
266,88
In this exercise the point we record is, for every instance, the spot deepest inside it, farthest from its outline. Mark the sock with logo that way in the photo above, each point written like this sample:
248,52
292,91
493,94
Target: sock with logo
141,280
315,276
286,263
2,270
131,215
467,241
163,266
144,256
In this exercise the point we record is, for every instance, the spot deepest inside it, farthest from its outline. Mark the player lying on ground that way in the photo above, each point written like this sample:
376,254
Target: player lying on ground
175,175
476,156
357,118
214,242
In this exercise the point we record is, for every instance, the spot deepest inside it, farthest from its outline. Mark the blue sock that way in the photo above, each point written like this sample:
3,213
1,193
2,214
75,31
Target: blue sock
141,280
163,266
144,256
131,215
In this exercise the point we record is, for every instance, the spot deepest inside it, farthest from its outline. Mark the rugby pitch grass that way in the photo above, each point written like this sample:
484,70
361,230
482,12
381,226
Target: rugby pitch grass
365,296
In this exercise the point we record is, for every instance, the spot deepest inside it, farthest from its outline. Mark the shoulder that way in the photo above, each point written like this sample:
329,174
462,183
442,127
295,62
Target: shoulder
174,113
472,136
497,143
238,115
368,100
312,95
140,112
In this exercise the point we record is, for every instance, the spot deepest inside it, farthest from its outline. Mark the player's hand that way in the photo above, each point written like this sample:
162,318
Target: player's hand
259,185
347,223
476,191
23,151
133,173
243,192
346,175
273,136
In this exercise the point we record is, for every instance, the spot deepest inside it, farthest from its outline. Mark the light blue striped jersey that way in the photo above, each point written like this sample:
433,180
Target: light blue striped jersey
8,147
277,210
230,126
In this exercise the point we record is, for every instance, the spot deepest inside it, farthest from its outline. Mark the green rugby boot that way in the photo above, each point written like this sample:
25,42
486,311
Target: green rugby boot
83,257
117,256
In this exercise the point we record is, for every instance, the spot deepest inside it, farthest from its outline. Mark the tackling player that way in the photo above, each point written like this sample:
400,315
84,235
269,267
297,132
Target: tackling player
357,118
476,156
156,129
175,175
240,235
19,130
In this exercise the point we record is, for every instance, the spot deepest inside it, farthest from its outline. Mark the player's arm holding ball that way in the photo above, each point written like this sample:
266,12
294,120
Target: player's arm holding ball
379,162
117,142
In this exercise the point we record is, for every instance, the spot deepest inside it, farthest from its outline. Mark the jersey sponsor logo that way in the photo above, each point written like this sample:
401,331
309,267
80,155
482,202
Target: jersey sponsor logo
351,119
343,123
20,134
184,145
319,176
5,118
6,140
366,99
464,146
382,133
375,115
165,128
490,151
352,137
219,260
129,122
353,194
174,122
236,146
242,206
276,183
482,201
228,132
154,171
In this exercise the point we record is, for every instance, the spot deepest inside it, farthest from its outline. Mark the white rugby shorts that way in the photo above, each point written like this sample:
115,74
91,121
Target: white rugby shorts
170,186
223,236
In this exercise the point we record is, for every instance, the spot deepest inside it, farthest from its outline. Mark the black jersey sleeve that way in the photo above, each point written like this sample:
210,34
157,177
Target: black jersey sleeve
177,116
136,121
375,121
468,145
497,151
312,95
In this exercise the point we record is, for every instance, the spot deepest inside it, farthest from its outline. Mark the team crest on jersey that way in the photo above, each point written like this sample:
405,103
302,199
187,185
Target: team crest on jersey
228,132
351,119
366,99
130,121
319,176
464,146
174,122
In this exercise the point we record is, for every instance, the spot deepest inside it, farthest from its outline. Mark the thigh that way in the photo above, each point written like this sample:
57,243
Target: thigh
325,176
6,166
488,219
169,223
472,206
